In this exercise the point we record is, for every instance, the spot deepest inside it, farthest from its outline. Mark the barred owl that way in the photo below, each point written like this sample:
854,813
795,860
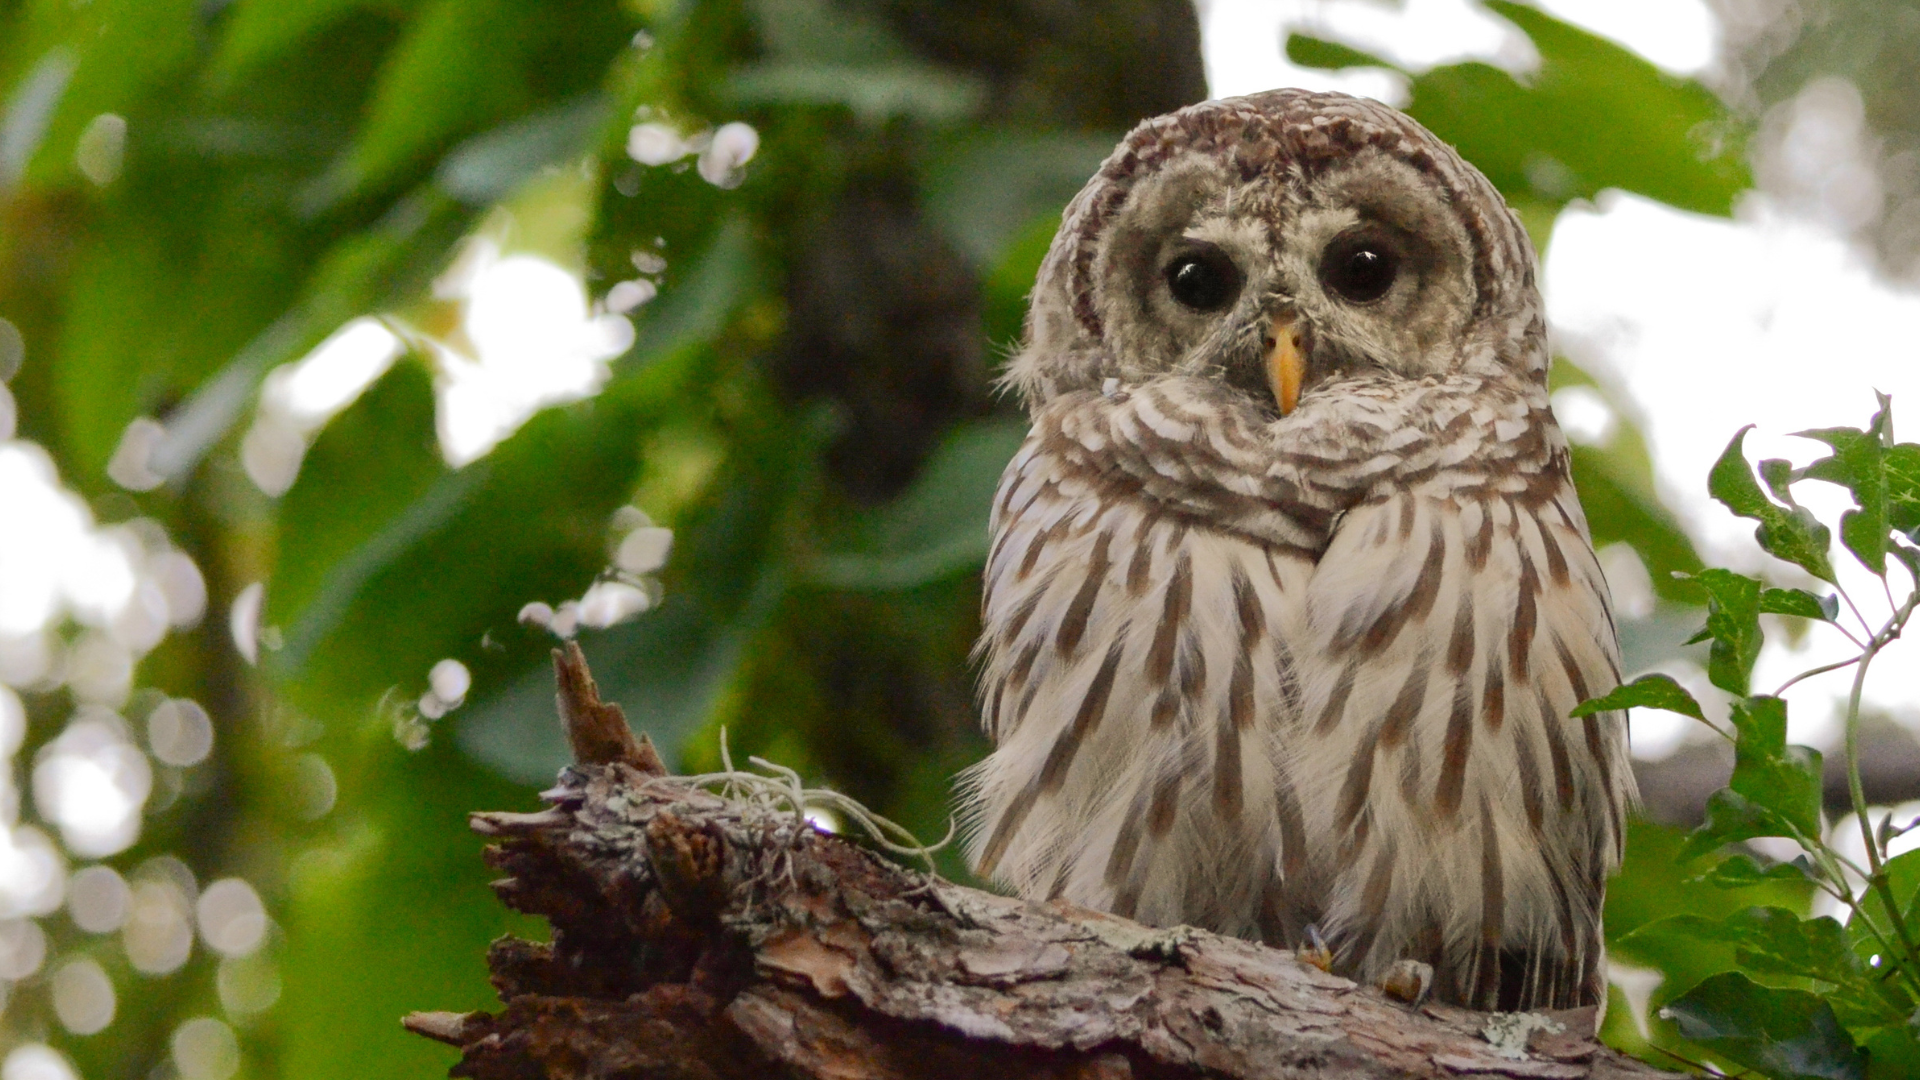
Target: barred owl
1289,594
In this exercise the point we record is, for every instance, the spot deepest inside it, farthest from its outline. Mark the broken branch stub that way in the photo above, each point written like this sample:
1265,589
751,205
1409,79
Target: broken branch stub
699,936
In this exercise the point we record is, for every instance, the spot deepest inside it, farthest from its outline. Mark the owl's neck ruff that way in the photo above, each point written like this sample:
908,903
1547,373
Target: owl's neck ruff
1193,447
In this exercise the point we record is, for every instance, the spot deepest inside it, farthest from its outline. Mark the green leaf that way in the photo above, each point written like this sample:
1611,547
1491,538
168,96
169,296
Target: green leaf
1731,481
1743,871
1792,534
819,54
1779,475
1732,817
1654,691
456,71
1902,464
983,187
1768,772
939,525
1893,1052
383,571
1903,881
1799,602
670,668
1733,625
1858,463
88,59
1593,116
873,94
489,166
1909,557
258,31
1774,941
1616,488
1313,52
1786,1034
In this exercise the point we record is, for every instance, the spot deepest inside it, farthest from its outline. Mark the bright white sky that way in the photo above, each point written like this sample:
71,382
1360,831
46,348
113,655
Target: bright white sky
1704,324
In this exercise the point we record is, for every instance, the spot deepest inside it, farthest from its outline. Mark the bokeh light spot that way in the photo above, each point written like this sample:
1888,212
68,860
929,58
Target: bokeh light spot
36,1061
83,996
232,920
23,948
92,783
180,732
97,899
205,1049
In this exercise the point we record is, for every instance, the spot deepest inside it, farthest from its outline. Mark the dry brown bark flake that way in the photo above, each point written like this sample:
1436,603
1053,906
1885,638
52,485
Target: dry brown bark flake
696,936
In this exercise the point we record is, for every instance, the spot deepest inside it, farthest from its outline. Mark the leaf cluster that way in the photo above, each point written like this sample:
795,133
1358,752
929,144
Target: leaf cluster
1799,997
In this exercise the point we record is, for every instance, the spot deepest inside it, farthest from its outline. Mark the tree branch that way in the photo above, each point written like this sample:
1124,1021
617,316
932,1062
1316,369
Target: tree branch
701,936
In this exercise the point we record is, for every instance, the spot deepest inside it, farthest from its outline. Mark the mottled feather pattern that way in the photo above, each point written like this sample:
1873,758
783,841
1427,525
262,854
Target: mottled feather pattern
1265,700
1279,675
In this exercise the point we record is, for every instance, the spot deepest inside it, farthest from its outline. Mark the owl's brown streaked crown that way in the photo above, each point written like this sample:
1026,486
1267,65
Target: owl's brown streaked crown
1290,136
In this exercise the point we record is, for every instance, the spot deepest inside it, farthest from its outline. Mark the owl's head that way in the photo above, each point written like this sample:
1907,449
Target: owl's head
1280,243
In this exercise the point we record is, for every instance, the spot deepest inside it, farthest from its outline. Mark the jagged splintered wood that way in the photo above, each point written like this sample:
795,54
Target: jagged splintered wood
700,937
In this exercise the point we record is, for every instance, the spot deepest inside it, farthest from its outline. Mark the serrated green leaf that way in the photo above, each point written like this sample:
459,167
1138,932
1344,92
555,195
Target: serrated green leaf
1858,464
1733,624
1790,533
1769,773
1786,1034
1779,475
1653,691
1799,602
1799,538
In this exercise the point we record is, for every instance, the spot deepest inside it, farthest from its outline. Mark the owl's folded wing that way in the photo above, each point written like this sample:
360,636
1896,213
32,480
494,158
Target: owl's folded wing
1448,631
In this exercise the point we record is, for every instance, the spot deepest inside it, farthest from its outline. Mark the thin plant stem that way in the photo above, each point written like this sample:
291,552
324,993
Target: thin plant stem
1865,626
1821,670
1877,879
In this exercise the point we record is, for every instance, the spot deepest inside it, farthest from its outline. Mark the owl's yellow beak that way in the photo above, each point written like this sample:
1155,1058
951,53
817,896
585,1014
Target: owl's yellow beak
1285,365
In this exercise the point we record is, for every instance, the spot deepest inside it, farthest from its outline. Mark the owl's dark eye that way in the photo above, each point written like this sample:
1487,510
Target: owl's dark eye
1359,269
1203,280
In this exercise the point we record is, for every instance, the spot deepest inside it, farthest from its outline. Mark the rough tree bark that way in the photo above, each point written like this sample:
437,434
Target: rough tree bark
700,937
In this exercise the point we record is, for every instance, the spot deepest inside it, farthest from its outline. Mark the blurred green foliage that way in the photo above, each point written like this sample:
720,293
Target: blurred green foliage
807,404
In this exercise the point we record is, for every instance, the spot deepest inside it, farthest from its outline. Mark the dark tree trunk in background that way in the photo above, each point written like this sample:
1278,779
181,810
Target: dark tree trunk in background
887,323
884,316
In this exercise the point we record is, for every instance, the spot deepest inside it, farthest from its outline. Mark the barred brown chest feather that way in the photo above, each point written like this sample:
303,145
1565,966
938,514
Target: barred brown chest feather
1260,703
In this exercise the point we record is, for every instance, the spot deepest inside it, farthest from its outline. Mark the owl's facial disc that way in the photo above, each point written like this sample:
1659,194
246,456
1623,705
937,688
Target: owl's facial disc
1381,268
